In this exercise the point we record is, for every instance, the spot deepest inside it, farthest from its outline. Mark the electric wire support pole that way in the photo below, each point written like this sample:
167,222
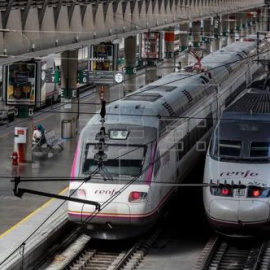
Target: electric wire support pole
197,66
101,146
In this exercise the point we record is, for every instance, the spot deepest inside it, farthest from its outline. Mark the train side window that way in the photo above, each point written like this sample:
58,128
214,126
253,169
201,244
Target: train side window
180,149
157,163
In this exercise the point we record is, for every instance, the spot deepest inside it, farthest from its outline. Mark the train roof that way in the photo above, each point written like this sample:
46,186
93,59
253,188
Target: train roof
167,97
255,104
173,94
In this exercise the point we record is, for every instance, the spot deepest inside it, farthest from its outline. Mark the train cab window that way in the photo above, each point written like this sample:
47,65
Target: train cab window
260,150
227,148
122,160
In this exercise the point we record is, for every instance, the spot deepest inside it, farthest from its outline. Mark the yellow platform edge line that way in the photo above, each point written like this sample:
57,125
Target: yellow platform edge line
31,214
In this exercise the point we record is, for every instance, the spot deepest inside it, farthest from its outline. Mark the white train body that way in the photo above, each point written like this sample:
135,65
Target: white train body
159,132
238,161
47,93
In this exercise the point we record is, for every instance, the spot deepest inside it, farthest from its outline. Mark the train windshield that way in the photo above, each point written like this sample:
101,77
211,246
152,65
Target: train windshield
241,141
122,160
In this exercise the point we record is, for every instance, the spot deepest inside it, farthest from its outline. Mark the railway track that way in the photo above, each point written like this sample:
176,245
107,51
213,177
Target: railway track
84,253
221,254
110,259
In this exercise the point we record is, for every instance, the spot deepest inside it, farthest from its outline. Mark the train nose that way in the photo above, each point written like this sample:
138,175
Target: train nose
239,211
224,210
253,211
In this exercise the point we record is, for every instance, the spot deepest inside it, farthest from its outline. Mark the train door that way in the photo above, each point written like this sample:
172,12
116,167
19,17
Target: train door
166,151
218,101
215,112
181,148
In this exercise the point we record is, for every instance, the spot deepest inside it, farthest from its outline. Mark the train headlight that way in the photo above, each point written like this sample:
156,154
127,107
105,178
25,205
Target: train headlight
137,196
222,191
77,193
118,134
258,192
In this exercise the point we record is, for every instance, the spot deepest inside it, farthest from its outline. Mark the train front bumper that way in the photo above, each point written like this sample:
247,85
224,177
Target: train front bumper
240,217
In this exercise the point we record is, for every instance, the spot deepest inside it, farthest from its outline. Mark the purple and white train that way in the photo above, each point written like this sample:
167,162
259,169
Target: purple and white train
156,134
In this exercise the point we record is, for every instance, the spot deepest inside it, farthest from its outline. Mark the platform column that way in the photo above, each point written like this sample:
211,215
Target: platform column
260,24
238,25
196,33
169,38
224,38
69,94
216,30
183,37
183,44
152,54
264,19
207,35
259,19
130,64
249,23
150,72
243,26
232,29
258,15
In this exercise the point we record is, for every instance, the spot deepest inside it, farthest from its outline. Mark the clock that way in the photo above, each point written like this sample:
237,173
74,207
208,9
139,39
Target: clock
118,77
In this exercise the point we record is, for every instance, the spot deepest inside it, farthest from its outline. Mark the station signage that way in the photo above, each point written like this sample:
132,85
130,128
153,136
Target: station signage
99,77
50,75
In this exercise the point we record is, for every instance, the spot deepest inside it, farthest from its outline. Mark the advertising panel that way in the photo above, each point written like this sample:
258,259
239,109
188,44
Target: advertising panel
102,57
150,45
21,84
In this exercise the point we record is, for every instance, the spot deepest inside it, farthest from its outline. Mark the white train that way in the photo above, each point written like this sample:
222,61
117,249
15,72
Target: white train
156,135
238,162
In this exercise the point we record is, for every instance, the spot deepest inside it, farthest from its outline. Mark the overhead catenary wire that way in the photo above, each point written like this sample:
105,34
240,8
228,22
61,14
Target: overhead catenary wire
93,214
131,181
180,79
130,22
126,185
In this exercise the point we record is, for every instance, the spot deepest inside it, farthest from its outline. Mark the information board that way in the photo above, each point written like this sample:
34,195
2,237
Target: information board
150,46
50,75
100,77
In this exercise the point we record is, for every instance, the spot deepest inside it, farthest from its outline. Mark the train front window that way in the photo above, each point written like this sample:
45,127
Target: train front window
227,148
260,150
244,141
122,160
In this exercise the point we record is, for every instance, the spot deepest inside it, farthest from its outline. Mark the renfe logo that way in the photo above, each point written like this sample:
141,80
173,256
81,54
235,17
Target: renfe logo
240,174
106,192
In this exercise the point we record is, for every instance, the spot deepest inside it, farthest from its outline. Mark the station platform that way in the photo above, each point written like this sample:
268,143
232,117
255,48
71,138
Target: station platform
30,218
